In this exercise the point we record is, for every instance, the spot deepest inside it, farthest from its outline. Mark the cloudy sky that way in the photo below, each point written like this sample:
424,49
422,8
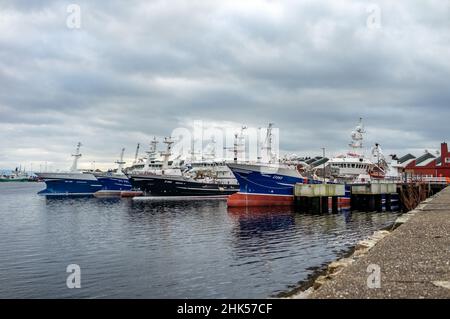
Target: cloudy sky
135,69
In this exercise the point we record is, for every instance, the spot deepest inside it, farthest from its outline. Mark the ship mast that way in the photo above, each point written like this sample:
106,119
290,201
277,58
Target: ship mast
120,162
192,150
137,154
259,147
268,143
166,155
357,138
152,152
211,155
378,153
76,156
238,138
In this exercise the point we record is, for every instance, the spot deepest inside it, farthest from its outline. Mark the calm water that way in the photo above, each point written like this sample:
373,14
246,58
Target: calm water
171,250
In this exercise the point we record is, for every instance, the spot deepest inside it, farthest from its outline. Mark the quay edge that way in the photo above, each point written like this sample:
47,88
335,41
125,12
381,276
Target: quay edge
413,258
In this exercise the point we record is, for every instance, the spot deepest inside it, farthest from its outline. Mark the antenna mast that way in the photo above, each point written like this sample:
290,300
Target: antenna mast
76,156
211,154
152,152
166,155
137,154
268,143
237,143
120,162
357,138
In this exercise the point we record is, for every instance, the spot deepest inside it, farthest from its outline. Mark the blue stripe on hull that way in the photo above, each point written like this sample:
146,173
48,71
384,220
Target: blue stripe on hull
70,187
114,184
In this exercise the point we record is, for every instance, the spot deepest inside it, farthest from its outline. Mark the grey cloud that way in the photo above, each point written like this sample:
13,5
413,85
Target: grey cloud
137,69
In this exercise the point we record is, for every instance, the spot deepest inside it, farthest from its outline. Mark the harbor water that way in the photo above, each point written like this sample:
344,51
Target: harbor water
198,249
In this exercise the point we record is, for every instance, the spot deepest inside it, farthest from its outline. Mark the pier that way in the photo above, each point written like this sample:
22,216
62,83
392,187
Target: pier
375,196
319,197
383,196
411,261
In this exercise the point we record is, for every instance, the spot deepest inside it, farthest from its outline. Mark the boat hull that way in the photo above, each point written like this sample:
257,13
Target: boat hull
114,183
247,200
262,185
266,180
178,186
69,184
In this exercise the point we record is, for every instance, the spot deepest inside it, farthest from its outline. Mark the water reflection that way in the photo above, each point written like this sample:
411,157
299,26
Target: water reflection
80,200
133,249
347,213
257,220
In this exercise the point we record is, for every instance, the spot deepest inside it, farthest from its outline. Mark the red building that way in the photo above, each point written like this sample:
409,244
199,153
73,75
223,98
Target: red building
429,165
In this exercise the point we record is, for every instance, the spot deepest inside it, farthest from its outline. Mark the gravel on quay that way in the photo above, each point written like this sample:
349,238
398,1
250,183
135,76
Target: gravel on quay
414,260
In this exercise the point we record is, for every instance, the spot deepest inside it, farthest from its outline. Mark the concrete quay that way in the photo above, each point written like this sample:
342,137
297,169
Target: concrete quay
411,262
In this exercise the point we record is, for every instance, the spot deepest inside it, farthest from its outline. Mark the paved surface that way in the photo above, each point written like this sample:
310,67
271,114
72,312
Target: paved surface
414,260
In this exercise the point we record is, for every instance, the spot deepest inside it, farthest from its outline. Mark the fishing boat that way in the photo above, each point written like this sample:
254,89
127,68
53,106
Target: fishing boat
71,183
173,179
209,166
271,183
355,166
150,163
16,176
114,182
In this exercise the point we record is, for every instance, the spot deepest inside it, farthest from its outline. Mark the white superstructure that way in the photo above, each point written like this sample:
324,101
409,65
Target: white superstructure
354,165
72,174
